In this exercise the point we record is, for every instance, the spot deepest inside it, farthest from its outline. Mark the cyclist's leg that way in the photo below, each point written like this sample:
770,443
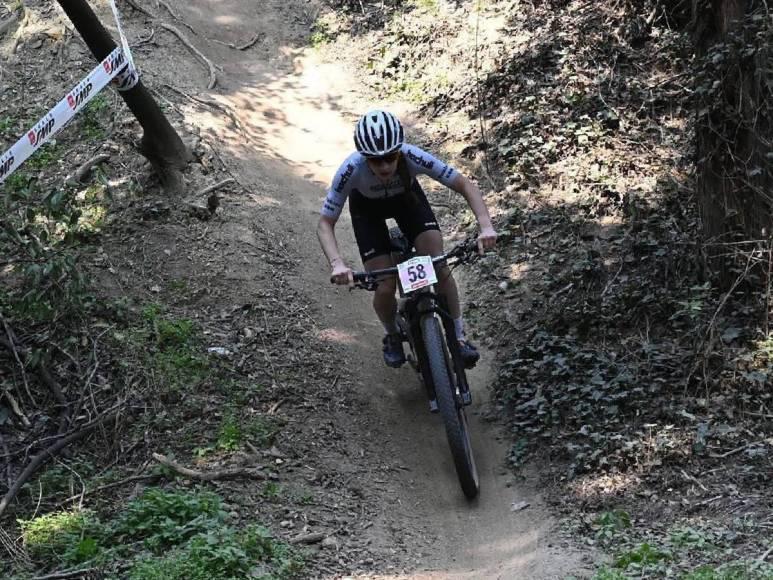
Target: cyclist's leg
430,243
372,235
419,224
384,301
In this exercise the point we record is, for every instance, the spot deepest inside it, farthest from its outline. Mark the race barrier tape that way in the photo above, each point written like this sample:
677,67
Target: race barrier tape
53,121
128,78
117,66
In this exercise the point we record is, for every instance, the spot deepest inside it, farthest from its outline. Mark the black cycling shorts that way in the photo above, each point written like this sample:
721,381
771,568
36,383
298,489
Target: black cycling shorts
369,220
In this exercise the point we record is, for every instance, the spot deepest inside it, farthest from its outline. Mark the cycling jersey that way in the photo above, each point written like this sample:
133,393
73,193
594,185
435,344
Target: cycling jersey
354,175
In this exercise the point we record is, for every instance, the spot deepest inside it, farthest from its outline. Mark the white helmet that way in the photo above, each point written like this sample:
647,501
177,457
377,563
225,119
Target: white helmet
378,133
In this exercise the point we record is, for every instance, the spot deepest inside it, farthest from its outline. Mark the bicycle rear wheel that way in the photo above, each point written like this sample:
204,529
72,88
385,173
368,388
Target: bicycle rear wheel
452,413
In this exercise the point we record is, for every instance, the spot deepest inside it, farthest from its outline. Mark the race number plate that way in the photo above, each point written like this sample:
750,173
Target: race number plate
416,273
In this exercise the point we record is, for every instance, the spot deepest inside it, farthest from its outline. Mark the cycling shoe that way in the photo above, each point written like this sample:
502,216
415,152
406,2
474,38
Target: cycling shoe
470,354
394,356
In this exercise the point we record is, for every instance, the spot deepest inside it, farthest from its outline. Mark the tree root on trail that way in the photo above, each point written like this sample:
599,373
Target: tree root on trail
176,16
194,50
139,8
255,473
244,46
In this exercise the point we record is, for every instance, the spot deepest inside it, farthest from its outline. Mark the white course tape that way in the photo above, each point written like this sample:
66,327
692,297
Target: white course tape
128,78
62,113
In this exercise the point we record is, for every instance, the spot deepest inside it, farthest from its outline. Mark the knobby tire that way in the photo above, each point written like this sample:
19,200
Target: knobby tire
452,414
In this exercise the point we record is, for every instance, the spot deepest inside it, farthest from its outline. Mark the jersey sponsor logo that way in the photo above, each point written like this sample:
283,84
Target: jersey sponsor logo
394,184
41,130
6,164
76,98
430,223
345,178
447,172
419,160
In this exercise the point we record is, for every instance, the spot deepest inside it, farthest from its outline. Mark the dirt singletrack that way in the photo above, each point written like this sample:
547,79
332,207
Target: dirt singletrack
289,126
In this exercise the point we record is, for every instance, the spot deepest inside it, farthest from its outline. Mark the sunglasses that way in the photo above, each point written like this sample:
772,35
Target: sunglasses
390,158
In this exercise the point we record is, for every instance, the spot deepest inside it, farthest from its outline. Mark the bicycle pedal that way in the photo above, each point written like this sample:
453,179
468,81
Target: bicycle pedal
466,398
433,408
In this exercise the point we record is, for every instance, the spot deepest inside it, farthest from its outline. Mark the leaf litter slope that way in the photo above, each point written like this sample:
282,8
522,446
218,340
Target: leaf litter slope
297,114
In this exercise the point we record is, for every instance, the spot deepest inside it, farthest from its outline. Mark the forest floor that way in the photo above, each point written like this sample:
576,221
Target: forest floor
628,433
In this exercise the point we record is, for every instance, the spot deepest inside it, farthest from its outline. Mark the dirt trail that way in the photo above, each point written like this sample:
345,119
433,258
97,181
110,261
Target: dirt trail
294,125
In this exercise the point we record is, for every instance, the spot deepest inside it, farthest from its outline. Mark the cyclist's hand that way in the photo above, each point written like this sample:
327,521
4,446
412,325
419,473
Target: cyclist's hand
341,274
487,239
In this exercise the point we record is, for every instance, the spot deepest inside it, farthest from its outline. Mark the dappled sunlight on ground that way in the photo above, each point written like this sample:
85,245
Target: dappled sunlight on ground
605,484
514,553
289,122
337,335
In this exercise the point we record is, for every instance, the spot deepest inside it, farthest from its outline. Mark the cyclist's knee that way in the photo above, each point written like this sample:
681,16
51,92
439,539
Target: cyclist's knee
387,286
443,273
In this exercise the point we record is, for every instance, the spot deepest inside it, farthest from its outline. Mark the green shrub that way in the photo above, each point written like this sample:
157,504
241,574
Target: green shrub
223,553
162,519
69,536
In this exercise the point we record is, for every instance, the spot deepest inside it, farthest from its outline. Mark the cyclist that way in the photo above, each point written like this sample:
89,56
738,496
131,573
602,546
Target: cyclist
379,179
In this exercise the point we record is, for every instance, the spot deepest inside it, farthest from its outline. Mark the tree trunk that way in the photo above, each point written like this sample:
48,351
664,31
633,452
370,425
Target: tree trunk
160,143
733,92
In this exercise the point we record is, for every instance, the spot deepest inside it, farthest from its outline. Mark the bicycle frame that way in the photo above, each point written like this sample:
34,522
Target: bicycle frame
412,308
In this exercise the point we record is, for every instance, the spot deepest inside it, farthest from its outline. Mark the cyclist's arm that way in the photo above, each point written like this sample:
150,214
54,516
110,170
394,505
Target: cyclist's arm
471,192
327,239
329,214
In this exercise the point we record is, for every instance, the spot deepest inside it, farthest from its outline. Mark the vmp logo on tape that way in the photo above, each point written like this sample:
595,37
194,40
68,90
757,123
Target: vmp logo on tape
6,164
42,130
114,62
79,95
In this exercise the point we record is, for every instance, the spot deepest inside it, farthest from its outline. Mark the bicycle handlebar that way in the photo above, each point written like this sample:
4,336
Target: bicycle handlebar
367,280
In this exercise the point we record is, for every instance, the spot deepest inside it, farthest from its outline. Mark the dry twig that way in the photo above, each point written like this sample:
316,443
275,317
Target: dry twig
214,187
194,50
12,342
312,538
8,22
83,170
236,472
16,408
41,458
17,553
83,573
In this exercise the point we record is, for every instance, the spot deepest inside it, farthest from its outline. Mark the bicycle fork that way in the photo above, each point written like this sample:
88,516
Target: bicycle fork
412,312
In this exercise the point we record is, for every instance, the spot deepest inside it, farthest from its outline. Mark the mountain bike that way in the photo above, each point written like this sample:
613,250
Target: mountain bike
428,328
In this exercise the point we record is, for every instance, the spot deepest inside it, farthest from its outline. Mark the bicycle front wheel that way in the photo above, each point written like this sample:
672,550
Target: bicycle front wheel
452,413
